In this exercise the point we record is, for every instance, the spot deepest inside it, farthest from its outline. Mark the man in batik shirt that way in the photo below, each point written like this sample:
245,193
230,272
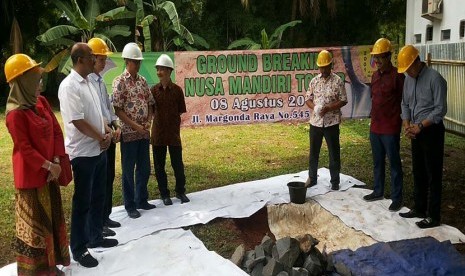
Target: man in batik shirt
326,96
133,103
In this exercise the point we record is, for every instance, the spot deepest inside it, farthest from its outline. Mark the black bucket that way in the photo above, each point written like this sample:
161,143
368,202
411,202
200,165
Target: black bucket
297,191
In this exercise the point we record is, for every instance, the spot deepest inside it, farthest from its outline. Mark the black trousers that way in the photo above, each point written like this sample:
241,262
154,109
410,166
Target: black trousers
331,135
109,185
88,199
159,159
427,162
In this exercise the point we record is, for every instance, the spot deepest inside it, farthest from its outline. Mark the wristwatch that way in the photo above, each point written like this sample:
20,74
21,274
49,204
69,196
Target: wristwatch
420,126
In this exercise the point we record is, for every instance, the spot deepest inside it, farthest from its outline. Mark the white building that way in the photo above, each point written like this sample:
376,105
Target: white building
435,22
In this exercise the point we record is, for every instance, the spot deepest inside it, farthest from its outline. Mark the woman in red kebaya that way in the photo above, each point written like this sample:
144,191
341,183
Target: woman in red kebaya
41,242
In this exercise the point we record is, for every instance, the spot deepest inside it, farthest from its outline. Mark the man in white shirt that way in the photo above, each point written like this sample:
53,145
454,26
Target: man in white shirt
85,142
101,51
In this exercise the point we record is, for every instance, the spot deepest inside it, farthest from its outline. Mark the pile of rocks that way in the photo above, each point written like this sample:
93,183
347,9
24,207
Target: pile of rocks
287,256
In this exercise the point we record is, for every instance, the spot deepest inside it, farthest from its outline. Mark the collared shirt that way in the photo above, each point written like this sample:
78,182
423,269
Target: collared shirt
169,104
386,95
425,97
80,101
325,91
107,107
133,96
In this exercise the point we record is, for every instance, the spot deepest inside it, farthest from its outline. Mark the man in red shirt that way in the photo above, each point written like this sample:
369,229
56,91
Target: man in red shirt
385,128
166,128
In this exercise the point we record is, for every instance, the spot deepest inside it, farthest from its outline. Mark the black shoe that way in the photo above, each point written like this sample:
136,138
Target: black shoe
412,214
372,197
395,206
146,206
133,214
183,198
86,260
107,232
310,183
167,201
112,224
105,243
335,186
427,223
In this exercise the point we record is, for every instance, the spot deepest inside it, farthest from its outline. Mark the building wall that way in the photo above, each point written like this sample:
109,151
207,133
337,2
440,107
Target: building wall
449,60
453,11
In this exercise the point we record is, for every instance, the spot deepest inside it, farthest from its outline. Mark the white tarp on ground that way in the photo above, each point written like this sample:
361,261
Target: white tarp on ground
168,252
375,220
141,251
232,201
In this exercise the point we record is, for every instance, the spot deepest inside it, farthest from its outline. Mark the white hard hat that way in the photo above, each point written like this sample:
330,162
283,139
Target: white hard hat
132,51
164,60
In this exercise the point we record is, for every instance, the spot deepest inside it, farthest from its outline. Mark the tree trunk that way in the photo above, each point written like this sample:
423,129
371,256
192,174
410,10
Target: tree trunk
293,17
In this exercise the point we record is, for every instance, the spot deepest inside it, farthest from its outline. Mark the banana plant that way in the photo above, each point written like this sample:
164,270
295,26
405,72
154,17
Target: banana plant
198,42
162,28
273,42
82,27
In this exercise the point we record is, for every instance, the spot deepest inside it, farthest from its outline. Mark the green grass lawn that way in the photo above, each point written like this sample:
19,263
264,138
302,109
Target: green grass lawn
221,155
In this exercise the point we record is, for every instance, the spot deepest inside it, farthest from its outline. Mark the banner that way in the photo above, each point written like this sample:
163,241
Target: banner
243,87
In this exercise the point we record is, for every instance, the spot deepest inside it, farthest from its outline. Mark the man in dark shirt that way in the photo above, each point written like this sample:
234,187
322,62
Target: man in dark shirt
424,105
385,127
166,128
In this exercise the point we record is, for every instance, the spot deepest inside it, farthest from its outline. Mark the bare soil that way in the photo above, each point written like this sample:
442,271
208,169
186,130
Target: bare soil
250,231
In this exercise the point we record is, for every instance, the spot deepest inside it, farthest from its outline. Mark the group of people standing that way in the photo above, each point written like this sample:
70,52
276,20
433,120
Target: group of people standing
137,116
412,97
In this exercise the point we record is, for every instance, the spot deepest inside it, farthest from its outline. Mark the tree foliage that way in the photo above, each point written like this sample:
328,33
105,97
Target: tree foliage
161,27
273,42
81,25
212,24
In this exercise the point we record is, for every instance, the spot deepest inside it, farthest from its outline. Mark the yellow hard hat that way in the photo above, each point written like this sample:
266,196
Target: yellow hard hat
406,57
17,64
381,46
324,59
99,47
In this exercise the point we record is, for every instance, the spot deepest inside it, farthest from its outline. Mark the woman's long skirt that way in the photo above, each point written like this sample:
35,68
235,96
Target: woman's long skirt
41,239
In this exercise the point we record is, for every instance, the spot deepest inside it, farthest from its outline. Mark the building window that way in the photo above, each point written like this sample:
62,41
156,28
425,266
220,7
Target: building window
462,29
424,6
445,34
429,33
417,38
